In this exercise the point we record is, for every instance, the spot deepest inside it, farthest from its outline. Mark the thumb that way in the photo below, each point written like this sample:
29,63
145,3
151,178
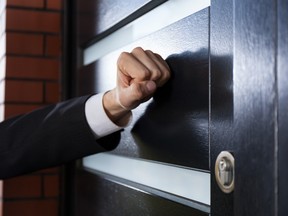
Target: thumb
143,89
136,92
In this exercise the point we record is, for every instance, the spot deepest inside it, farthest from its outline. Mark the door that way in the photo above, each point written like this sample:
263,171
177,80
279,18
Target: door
225,94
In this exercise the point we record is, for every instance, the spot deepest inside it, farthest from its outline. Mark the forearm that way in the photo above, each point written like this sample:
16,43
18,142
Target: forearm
47,137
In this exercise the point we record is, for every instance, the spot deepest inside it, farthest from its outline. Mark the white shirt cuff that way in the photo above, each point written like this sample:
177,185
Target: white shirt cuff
97,118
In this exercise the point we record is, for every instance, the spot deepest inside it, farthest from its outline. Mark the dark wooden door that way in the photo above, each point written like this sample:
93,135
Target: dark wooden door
228,92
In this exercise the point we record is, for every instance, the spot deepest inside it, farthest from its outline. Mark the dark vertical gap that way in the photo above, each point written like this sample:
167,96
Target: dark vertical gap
68,80
69,50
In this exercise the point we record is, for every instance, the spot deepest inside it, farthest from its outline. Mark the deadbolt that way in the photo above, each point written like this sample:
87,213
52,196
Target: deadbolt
224,171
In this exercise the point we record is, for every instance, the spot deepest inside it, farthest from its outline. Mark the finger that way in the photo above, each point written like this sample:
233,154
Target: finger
162,61
162,65
131,68
148,62
123,80
132,96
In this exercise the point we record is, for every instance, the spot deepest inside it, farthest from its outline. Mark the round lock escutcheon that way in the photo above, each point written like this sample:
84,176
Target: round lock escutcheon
225,171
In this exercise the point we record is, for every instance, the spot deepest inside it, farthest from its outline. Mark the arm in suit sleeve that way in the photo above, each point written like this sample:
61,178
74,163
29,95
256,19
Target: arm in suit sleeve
60,133
48,137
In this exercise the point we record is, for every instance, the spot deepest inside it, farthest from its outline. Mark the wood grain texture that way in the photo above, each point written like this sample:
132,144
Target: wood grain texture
244,120
221,93
254,107
282,78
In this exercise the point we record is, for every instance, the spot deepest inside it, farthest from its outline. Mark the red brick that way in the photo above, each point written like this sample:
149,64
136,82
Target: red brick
52,93
23,91
51,186
22,187
54,4
24,44
38,21
15,109
31,208
26,3
29,67
53,45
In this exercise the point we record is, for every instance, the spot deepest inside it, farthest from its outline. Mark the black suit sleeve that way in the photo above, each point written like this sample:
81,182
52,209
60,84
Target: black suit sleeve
47,137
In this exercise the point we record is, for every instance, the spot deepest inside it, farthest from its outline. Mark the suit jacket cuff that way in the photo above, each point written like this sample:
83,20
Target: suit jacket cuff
97,118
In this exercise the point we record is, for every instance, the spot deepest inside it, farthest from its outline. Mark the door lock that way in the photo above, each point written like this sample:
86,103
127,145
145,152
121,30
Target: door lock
225,171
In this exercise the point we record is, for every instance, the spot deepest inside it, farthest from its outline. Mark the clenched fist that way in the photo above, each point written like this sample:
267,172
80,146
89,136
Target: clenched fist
139,73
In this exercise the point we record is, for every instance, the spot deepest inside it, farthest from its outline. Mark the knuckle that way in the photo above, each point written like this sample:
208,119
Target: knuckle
167,75
156,74
149,52
144,74
157,55
137,50
122,58
165,78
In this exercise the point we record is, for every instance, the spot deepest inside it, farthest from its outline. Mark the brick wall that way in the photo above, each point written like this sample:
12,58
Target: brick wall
33,66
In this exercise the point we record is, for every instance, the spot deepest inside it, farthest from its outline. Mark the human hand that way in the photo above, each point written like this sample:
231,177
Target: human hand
139,73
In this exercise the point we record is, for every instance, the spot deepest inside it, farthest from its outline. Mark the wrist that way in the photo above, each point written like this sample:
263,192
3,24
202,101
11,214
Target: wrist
117,113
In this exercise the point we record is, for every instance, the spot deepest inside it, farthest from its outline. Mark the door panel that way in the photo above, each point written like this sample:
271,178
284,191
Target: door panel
254,107
243,121
112,198
228,92
282,79
182,138
222,96
101,17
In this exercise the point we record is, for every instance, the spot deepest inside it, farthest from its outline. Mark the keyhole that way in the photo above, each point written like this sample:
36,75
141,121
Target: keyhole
224,171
